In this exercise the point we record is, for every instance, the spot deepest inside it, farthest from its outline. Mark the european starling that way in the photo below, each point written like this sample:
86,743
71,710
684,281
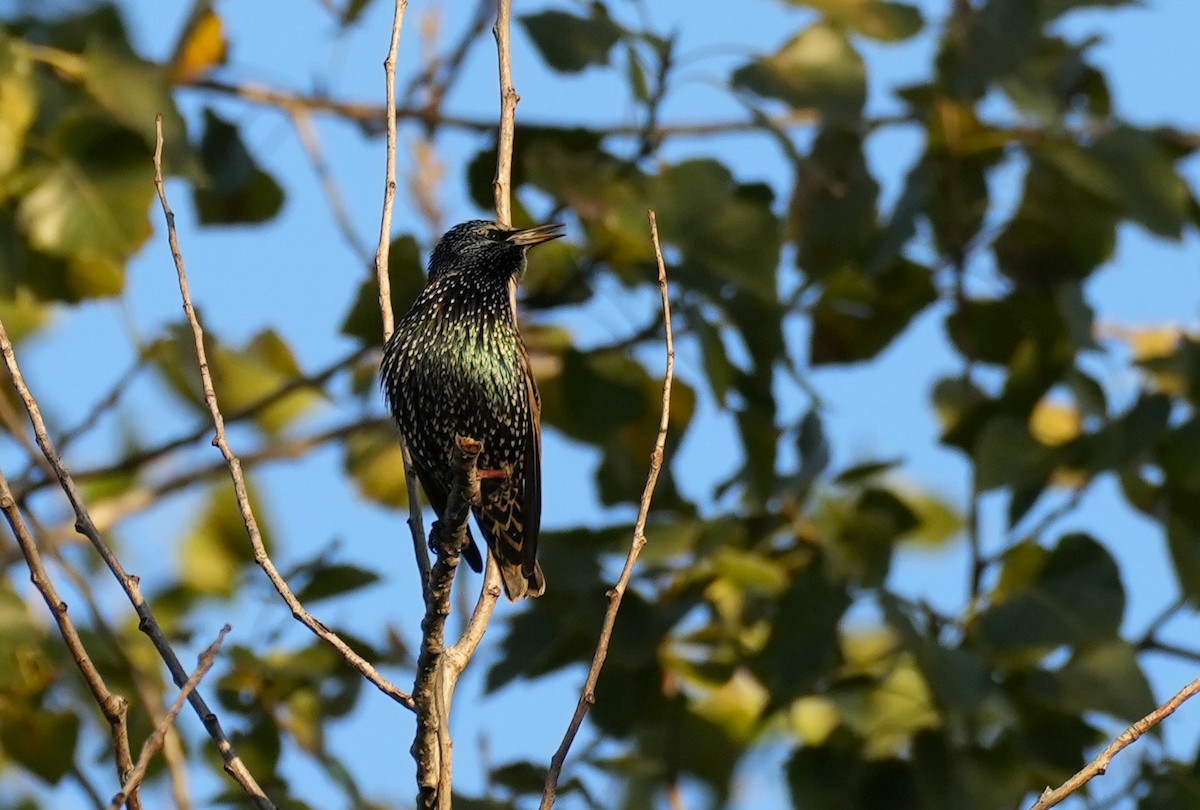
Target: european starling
456,366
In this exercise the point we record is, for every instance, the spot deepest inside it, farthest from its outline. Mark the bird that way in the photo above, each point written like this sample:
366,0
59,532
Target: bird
456,366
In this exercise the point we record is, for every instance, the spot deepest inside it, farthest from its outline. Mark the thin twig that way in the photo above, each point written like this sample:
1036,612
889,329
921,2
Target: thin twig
432,748
148,693
588,695
108,512
234,765
415,526
135,461
373,117
302,119
156,739
440,73
502,183
115,708
438,668
105,404
389,188
1098,766
221,441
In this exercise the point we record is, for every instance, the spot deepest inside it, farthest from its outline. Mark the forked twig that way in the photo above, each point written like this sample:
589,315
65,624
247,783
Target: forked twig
234,765
588,695
115,708
159,736
235,466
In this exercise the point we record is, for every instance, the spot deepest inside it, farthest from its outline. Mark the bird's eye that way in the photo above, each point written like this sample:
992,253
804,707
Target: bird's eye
490,233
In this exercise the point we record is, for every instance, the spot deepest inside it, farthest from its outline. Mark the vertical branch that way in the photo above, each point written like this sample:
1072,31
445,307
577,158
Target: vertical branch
389,188
114,707
235,465
501,185
382,254
432,747
439,668
84,524
588,695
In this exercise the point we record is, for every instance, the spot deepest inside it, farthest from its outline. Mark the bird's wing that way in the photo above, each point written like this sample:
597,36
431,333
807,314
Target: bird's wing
511,514
532,500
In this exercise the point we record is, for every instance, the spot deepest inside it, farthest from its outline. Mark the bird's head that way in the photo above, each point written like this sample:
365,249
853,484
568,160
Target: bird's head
487,248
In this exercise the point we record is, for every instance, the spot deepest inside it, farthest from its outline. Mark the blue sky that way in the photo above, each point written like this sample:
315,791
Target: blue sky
296,276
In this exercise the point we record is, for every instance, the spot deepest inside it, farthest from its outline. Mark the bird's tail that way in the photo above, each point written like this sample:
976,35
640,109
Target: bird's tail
518,584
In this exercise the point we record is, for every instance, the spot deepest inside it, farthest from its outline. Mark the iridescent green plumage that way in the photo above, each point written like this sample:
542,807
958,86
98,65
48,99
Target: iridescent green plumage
456,366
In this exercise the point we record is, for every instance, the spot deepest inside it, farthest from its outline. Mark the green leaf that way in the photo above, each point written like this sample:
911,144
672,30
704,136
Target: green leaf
236,189
595,395
1069,595
374,461
877,19
725,230
859,315
803,642
22,314
335,580
1040,246
241,377
42,741
833,208
18,106
1057,80
816,68
958,676
1006,455
364,321
1151,191
867,532
88,204
568,43
134,91
522,778
999,37
1106,678
836,775
351,12
217,548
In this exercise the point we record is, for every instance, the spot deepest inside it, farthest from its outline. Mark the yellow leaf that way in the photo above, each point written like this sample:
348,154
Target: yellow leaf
203,48
814,718
735,706
1153,341
1055,423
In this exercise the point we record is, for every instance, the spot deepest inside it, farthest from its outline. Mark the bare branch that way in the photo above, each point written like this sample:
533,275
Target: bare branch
129,583
501,185
588,696
1098,766
389,189
373,117
261,557
115,708
159,735
416,527
432,747
135,461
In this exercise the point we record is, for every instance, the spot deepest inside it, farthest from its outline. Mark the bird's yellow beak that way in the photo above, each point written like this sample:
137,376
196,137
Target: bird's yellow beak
527,237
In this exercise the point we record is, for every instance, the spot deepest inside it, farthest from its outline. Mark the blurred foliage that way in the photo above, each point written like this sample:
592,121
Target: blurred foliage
744,628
